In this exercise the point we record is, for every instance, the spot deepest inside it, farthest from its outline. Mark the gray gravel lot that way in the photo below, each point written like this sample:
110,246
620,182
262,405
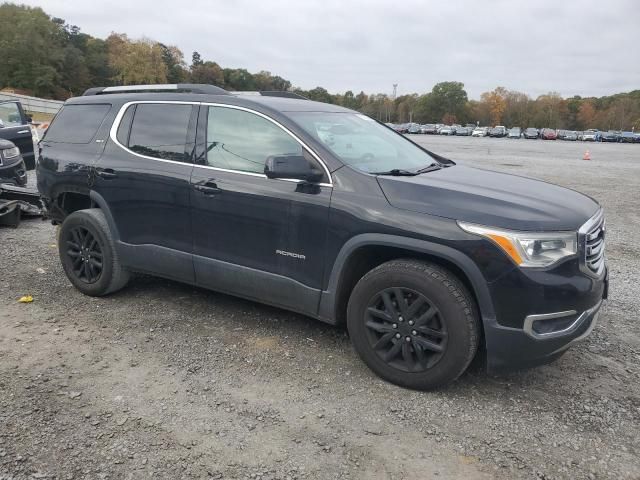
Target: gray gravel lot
162,380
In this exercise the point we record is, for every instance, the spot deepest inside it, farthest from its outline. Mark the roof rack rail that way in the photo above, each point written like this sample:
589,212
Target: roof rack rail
169,87
273,93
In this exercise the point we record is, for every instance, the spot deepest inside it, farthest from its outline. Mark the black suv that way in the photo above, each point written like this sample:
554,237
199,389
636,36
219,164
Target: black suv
321,210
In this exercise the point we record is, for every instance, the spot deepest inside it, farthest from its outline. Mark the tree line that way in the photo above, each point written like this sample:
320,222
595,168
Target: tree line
47,57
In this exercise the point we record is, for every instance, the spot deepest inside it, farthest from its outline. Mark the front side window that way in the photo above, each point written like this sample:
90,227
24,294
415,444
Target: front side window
241,140
10,115
361,142
77,123
160,130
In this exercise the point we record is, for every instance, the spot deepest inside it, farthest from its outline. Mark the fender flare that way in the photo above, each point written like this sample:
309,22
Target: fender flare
102,203
327,307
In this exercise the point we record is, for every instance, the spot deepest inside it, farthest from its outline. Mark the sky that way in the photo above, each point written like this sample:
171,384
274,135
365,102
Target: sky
587,48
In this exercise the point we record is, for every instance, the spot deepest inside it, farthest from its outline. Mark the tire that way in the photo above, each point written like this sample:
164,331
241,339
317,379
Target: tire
434,302
88,254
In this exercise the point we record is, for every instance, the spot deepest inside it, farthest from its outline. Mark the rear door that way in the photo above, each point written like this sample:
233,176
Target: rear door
14,126
143,176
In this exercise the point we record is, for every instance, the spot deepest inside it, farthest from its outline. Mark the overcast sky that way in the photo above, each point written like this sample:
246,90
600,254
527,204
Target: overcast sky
572,47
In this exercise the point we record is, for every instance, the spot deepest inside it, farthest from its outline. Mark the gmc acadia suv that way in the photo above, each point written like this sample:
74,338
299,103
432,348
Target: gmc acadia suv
321,210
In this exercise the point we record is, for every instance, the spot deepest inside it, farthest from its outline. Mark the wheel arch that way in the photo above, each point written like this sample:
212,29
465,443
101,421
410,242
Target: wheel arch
364,252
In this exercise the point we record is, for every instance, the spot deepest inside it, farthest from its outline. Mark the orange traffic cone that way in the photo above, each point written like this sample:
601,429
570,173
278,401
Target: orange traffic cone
586,156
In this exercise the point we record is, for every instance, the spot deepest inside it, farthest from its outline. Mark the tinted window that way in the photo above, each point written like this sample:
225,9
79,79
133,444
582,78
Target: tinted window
125,126
77,123
10,115
240,140
160,131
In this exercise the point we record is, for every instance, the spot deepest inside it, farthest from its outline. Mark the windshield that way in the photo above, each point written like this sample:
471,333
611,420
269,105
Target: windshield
361,142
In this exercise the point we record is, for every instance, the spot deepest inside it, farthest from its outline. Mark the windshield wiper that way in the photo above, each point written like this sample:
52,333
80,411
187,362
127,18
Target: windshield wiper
396,172
430,168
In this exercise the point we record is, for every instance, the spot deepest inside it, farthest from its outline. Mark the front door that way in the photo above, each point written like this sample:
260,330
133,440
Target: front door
14,126
143,175
253,236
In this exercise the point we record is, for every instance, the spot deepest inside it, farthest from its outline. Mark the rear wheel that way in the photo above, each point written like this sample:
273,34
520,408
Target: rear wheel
413,323
88,255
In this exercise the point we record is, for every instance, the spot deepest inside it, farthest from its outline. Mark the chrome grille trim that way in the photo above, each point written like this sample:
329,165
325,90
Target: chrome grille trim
591,245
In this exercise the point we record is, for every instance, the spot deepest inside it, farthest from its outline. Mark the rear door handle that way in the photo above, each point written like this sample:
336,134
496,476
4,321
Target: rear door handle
106,173
208,187
24,131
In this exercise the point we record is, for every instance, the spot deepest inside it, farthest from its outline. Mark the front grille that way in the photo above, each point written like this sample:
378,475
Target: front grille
592,245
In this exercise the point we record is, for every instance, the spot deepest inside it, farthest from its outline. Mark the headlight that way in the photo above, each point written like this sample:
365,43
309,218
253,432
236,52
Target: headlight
11,152
529,249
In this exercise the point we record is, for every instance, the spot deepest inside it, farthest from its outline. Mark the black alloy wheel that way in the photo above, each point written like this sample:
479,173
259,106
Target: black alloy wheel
85,254
405,329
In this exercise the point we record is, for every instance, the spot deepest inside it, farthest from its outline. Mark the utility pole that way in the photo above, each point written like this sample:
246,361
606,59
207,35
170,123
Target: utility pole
395,89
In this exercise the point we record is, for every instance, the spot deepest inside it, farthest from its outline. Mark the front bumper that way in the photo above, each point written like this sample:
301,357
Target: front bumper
510,348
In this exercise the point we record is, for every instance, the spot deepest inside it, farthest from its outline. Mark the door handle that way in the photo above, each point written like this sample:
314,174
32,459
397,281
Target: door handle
24,131
208,187
106,173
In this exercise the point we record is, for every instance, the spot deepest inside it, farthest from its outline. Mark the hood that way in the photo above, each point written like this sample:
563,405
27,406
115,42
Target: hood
490,198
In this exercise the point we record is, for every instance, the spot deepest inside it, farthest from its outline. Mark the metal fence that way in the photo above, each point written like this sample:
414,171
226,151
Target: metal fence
34,104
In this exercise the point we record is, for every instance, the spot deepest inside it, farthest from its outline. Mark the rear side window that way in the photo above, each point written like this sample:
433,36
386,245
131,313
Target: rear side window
77,123
160,131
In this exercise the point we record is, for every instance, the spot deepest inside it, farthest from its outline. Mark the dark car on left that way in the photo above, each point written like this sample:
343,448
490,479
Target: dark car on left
15,126
12,168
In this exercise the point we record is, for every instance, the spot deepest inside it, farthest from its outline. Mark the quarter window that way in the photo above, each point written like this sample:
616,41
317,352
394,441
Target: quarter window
160,131
240,140
77,123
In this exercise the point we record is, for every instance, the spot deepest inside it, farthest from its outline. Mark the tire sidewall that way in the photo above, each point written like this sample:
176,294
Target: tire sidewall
86,220
453,313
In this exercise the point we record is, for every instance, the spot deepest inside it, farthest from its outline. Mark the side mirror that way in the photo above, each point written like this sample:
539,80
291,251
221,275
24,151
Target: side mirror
29,118
292,166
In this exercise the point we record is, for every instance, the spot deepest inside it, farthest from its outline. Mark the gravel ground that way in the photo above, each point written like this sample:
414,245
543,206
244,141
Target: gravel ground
162,380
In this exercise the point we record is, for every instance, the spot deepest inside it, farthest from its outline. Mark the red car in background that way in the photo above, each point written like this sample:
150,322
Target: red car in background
549,134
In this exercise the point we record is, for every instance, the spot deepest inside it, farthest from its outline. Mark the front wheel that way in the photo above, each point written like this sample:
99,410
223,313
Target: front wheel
413,323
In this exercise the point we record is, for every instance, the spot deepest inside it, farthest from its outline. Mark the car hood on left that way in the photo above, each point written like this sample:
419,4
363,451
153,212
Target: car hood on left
490,198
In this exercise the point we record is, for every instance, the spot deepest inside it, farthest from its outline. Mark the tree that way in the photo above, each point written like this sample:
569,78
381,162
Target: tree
174,62
586,115
496,102
135,62
32,47
319,94
196,59
238,79
208,72
446,98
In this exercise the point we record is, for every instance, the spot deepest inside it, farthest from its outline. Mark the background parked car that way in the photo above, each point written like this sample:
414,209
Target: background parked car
480,132
610,136
570,136
627,137
548,134
413,128
463,131
447,130
429,129
531,133
514,132
498,131
591,135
